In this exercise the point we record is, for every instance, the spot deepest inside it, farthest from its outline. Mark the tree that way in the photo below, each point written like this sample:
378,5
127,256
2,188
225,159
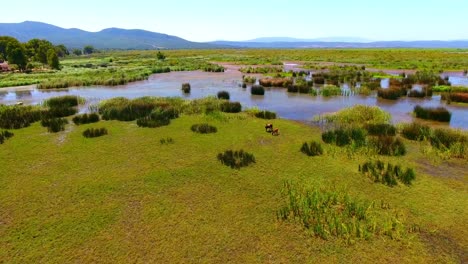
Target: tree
77,52
88,49
61,51
4,41
16,55
52,59
160,56
37,49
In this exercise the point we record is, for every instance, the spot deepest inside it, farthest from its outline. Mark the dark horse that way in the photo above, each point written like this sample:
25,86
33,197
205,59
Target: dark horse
269,128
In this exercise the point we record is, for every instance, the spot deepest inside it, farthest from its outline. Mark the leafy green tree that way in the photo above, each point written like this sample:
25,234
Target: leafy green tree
77,52
61,51
4,41
37,49
52,59
160,56
88,49
16,54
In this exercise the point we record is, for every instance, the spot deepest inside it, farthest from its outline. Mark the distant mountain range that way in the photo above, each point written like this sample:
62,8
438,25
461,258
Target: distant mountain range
116,38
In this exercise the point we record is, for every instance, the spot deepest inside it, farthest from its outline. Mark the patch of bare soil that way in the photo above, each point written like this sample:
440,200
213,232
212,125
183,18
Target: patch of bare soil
449,169
440,245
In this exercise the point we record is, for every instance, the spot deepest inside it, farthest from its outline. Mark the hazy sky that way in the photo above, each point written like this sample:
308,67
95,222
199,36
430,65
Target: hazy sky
206,20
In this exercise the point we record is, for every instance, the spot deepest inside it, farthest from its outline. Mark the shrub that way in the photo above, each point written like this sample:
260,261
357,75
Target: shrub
54,125
265,114
4,135
312,149
236,159
438,114
62,101
15,117
186,88
389,146
223,95
415,131
389,174
390,93
345,136
359,115
86,118
231,107
203,128
330,90
381,129
60,111
94,132
159,117
257,90
446,138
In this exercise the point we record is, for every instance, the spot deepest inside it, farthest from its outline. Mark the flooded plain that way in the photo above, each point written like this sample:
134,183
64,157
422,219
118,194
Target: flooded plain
293,106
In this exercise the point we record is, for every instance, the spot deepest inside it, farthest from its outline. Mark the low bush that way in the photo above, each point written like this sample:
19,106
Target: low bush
330,90
62,101
257,90
223,95
440,114
60,111
15,117
265,114
390,93
236,159
381,129
86,119
4,135
415,131
159,117
442,138
389,146
231,107
54,125
94,132
345,136
387,174
186,88
456,97
203,128
312,149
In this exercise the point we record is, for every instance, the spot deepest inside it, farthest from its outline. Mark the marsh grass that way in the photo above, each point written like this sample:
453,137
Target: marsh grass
381,129
312,149
86,118
332,213
166,141
54,125
16,117
158,117
415,131
95,132
231,107
257,90
330,90
345,136
440,114
203,128
4,135
388,145
387,174
265,114
236,159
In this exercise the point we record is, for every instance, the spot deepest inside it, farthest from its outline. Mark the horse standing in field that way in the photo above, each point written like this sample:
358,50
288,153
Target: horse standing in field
275,132
269,128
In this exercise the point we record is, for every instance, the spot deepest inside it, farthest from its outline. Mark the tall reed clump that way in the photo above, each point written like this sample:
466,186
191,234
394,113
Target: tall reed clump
86,118
276,82
4,135
381,129
55,124
186,88
231,107
312,149
440,114
387,174
249,79
62,106
257,90
330,90
16,117
223,95
203,128
236,159
358,115
158,117
95,132
415,131
265,114
124,109
330,213
450,140
345,136
456,97
388,145
392,93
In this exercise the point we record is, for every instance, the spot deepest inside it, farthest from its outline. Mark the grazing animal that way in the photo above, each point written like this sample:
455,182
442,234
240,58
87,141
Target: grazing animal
275,132
269,127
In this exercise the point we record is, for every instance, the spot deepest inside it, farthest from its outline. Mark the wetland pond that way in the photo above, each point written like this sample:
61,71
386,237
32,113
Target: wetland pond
301,107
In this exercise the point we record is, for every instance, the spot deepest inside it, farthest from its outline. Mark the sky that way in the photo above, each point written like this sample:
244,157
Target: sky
208,20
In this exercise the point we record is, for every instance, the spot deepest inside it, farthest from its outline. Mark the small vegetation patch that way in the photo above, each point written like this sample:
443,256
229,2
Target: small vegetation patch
345,136
4,135
167,140
203,128
381,129
95,132
440,114
392,93
415,131
330,90
265,114
223,95
327,213
312,149
358,115
62,101
15,117
450,140
86,119
387,174
389,146
236,159
186,88
159,117
54,125
231,107
257,90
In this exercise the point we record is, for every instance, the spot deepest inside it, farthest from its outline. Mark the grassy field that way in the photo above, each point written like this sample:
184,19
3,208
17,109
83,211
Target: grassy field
126,197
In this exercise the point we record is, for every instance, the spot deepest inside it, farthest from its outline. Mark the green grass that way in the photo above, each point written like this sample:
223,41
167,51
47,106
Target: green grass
127,197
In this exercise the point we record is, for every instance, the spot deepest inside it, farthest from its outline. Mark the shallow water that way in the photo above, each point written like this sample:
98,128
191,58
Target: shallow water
287,105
